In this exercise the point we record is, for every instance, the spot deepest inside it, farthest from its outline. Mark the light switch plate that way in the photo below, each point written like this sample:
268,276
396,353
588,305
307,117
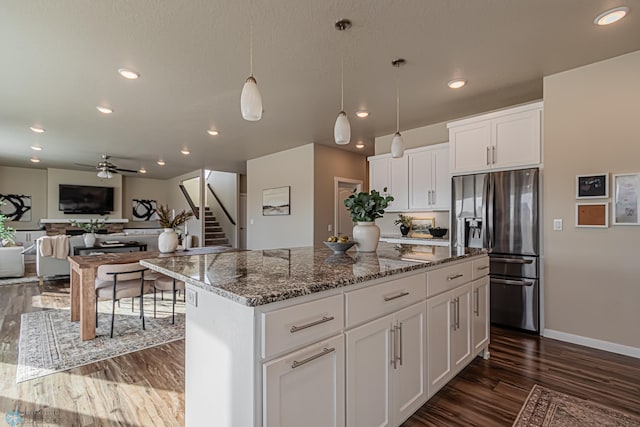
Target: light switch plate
557,225
192,297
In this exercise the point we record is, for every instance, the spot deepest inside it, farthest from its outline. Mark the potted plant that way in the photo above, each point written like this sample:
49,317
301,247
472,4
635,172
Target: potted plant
364,209
90,228
404,222
168,239
7,234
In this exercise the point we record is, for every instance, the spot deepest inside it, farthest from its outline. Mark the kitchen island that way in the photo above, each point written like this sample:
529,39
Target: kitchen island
303,336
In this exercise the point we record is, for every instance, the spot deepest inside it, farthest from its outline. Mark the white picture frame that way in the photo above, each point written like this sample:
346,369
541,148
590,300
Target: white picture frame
592,215
626,199
592,186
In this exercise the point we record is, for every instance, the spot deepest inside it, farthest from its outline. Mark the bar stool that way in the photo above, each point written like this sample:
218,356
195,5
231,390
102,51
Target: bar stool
165,283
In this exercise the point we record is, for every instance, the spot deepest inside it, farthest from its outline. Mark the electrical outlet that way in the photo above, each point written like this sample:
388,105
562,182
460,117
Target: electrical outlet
557,225
329,227
191,297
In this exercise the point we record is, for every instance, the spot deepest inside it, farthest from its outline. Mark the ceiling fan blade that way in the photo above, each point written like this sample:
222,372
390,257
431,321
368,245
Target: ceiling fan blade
125,170
87,166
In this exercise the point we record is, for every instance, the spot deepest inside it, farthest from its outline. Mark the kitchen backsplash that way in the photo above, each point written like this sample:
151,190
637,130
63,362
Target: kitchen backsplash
386,223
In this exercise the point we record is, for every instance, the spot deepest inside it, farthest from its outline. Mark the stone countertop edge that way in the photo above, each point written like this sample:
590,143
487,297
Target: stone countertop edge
258,299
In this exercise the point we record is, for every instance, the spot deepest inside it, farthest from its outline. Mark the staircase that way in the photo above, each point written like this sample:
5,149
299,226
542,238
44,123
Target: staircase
213,234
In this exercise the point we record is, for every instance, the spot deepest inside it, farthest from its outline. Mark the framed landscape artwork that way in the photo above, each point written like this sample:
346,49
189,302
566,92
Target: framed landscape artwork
626,199
276,201
594,186
420,227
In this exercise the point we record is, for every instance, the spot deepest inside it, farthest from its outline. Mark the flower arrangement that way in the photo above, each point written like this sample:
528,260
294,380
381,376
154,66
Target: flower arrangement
366,207
7,234
404,220
165,217
92,226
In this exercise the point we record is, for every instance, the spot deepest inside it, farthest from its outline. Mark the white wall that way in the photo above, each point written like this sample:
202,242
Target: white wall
29,182
292,168
134,187
225,184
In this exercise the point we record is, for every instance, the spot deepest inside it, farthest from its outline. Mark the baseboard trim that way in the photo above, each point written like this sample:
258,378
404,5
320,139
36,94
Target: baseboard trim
593,343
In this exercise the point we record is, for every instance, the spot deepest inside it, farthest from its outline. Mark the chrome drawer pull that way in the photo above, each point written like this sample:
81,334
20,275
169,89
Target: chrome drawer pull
512,282
400,295
484,267
513,260
324,352
456,276
308,325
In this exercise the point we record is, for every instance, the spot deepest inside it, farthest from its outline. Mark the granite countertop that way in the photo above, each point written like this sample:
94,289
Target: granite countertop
254,278
443,241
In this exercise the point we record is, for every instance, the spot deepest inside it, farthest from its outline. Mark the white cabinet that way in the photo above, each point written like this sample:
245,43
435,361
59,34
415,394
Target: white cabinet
480,315
392,174
386,368
502,139
306,385
380,173
429,180
448,335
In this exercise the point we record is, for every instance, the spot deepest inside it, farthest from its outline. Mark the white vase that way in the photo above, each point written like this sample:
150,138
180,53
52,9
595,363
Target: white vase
167,241
366,235
89,240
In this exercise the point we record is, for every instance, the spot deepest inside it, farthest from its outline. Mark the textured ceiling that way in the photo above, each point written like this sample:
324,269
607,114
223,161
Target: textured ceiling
59,60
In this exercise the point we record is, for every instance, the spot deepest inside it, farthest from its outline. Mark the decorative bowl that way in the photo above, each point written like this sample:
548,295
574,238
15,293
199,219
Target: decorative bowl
438,232
339,248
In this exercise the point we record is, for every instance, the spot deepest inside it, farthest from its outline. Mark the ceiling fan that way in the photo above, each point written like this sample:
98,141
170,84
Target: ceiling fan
106,169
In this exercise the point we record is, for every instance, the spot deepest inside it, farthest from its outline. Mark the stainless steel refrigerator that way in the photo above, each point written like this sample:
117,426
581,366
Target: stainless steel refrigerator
499,211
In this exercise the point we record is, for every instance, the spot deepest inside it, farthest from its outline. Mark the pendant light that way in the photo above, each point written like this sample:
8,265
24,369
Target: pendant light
250,99
397,144
342,128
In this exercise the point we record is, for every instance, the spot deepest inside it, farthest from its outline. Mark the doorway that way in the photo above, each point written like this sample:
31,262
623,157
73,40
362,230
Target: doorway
343,187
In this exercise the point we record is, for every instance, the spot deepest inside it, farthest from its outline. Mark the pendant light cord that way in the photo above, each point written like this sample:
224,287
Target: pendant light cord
397,104
342,83
251,38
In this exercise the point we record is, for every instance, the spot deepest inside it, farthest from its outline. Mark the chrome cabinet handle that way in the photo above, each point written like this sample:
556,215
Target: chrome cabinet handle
487,155
484,267
493,154
455,276
457,313
453,322
324,352
476,311
400,295
513,260
400,344
512,282
392,337
308,325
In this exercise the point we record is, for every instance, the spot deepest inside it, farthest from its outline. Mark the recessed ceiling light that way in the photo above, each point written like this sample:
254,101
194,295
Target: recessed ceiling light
457,83
161,162
213,132
36,148
185,151
360,144
128,74
362,114
37,129
34,160
104,110
142,170
612,15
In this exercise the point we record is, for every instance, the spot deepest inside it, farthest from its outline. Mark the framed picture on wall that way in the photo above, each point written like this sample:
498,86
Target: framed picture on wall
594,186
625,199
420,227
276,201
594,215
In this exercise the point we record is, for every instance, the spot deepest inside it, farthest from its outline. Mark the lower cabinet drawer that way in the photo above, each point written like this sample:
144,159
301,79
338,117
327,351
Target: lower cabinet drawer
369,303
480,267
444,279
301,324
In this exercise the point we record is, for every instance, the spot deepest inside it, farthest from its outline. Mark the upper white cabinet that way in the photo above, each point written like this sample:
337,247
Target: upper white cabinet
502,139
419,180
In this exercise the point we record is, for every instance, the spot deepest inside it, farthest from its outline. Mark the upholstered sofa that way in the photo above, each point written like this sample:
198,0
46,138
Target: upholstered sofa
11,261
50,266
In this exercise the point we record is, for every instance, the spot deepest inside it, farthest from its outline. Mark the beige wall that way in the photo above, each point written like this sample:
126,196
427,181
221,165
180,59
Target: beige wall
29,182
55,177
331,162
225,184
592,276
177,201
292,168
142,188
413,138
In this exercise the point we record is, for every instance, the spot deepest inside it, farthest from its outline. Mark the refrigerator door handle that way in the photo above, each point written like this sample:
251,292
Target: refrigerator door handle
486,243
491,188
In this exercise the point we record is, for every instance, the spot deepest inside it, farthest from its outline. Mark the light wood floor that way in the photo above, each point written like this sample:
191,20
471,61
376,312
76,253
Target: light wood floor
146,388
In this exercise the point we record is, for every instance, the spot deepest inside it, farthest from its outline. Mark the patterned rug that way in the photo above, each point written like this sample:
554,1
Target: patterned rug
548,408
50,342
18,280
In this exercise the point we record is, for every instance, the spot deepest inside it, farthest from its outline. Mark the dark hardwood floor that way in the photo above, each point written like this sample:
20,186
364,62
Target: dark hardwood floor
146,388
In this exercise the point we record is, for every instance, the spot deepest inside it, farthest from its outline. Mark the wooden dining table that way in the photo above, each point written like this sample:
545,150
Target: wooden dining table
83,275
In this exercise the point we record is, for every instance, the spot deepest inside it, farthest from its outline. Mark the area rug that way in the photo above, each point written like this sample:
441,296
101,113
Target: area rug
549,408
50,342
18,280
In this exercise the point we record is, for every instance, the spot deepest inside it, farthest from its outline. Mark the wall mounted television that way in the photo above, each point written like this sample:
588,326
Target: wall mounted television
74,199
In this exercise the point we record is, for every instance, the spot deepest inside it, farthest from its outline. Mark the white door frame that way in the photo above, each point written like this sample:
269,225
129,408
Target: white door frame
336,191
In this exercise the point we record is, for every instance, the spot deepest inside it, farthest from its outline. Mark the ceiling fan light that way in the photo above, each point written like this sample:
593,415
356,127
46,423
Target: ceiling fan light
397,146
342,129
104,174
251,100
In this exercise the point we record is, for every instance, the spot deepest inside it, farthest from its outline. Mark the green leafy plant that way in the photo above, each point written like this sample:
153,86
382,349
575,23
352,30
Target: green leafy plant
165,220
90,227
403,220
366,207
7,234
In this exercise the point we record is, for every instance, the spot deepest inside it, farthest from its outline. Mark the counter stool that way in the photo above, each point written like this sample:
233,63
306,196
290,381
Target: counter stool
164,283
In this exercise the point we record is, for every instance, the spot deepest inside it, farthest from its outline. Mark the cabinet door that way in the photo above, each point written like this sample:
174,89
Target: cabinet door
306,385
369,358
399,187
420,175
441,180
480,314
439,324
380,174
516,138
469,146
410,375
461,336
